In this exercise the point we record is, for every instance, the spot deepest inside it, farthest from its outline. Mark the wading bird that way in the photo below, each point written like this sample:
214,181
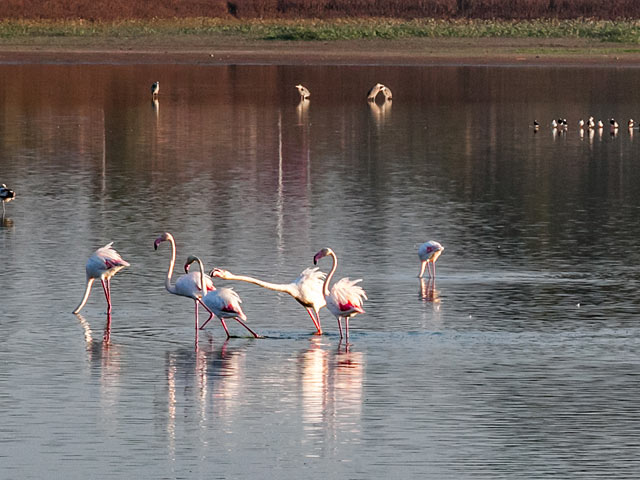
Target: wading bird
104,263
155,88
6,195
377,88
345,298
429,253
304,92
223,302
306,289
187,285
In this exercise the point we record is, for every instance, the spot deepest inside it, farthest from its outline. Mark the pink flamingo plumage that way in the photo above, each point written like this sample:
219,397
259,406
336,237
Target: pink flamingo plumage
187,285
223,302
104,263
429,253
306,289
345,298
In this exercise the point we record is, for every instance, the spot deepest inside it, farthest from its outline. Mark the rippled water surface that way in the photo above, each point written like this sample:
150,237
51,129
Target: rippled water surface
520,361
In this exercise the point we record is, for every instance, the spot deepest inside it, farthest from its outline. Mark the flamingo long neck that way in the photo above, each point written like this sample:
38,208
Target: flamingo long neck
327,280
277,287
86,295
167,281
203,284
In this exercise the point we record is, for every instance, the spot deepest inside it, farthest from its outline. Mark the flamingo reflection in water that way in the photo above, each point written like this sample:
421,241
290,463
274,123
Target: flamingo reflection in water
332,384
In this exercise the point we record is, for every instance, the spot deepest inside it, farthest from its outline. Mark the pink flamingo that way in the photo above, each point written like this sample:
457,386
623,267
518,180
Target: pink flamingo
429,253
187,285
104,263
306,289
223,302
345,298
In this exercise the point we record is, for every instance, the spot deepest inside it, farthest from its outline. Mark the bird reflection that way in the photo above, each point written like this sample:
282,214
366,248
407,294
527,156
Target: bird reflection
380,113
428,292
155,105
88,333
7,222
332,384
302,109
206,377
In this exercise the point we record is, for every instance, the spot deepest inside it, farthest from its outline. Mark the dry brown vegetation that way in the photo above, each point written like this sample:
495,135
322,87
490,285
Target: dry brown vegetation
484,9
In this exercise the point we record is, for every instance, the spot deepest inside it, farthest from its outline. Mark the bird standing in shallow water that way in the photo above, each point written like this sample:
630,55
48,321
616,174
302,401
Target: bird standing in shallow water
155,88
429,253
345,298
6,195
306,289
304,92
187,285
223,302
104,263
376,89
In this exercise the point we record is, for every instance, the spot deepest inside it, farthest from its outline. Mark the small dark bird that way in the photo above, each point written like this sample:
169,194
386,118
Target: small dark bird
536,126
6,195
155,88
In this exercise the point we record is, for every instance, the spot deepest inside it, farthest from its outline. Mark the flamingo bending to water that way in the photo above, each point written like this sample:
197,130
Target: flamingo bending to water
345,298
187,285
304,92
306,289
376,89
104,263
223,302
429,253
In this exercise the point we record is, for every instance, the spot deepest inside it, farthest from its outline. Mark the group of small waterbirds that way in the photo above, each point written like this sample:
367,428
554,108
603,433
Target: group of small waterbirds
561,124
305,93
311,289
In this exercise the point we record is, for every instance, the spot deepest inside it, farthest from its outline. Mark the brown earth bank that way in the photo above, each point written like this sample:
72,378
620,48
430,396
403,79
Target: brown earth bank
145,9
223,50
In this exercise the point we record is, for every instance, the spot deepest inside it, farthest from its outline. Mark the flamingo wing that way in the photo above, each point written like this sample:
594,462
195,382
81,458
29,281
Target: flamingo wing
224,302
347,296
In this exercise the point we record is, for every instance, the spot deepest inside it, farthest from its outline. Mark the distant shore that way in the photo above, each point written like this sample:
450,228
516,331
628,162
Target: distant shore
417,52
308,42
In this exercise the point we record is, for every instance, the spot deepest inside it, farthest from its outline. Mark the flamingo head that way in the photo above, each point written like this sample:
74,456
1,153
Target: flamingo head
190,260
219,272
162,238
321,254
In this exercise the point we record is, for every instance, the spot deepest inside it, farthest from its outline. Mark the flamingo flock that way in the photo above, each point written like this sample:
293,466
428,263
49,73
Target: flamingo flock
312,288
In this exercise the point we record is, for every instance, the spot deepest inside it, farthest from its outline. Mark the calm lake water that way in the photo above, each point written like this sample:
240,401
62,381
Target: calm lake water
521,361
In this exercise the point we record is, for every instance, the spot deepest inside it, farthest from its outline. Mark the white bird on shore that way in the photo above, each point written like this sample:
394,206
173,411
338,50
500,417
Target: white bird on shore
304,92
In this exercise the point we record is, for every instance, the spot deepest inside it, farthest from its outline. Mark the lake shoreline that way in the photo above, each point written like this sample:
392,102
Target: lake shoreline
233,51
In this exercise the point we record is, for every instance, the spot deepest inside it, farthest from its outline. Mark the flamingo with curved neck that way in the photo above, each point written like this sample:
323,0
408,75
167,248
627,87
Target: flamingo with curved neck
306,289
223,302
187,285
345,298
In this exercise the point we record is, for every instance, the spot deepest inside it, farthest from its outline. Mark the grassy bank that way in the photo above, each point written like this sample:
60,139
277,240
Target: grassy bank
627,31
